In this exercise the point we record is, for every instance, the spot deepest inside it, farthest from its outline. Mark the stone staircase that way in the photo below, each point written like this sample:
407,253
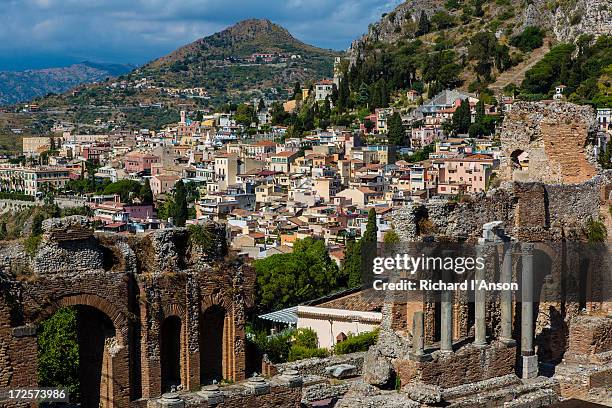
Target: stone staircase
516,74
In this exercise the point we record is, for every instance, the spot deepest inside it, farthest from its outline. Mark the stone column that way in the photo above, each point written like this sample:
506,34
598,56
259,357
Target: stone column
530,360
506,298
446,318
418,339
480,300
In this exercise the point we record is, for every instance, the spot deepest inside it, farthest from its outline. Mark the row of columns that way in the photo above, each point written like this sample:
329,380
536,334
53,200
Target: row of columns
492,234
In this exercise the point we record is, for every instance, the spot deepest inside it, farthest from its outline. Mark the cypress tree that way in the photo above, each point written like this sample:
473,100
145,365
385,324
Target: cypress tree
351,267
423,24
462,118
396,134
297,91
146,194
371,232
179,207
344,94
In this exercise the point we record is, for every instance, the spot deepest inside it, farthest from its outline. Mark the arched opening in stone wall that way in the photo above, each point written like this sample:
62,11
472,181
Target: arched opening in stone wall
170,353
520,160
212,348
74,352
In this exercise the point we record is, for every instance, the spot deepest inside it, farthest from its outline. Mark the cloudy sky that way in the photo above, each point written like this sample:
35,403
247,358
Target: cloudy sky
43,33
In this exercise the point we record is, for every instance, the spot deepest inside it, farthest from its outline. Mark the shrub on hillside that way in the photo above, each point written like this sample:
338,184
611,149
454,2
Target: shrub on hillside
530,39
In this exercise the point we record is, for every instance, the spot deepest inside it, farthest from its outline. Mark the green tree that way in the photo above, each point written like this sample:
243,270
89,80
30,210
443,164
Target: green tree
480,111
424,25
344,94
279,116
364,95
179,209
482,49
530,39
462,118
369,125
58,351
287,279
124,188
442,20
551,69
478,11
371,232
396,134
245,115
37,224
262,106
146,194
297,91
351,265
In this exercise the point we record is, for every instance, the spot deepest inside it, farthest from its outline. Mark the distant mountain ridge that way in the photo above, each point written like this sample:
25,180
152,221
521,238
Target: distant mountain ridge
22,86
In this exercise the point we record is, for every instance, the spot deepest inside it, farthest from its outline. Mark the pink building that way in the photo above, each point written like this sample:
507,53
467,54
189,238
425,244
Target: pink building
464,175
137,162
162,183
425,135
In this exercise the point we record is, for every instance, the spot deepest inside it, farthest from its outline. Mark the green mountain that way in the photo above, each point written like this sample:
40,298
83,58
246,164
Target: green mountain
223,61
223,64
486,46
22,86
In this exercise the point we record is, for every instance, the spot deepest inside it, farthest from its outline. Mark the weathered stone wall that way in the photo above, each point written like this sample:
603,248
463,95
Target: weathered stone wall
316,366
460,220
542,211
468,365
589,335
129,280
555,136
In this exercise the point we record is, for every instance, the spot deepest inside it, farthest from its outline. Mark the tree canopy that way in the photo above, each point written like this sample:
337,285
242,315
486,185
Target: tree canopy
308,272
125,188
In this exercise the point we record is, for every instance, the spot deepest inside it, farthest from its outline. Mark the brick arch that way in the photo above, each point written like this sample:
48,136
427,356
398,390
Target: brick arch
173,309
119,320
216,299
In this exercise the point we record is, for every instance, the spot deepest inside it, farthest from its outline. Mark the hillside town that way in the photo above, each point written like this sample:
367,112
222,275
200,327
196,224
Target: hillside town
421,220
271,189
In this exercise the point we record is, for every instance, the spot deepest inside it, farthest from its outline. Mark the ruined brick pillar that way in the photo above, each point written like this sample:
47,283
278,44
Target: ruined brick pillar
192,344
116,374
